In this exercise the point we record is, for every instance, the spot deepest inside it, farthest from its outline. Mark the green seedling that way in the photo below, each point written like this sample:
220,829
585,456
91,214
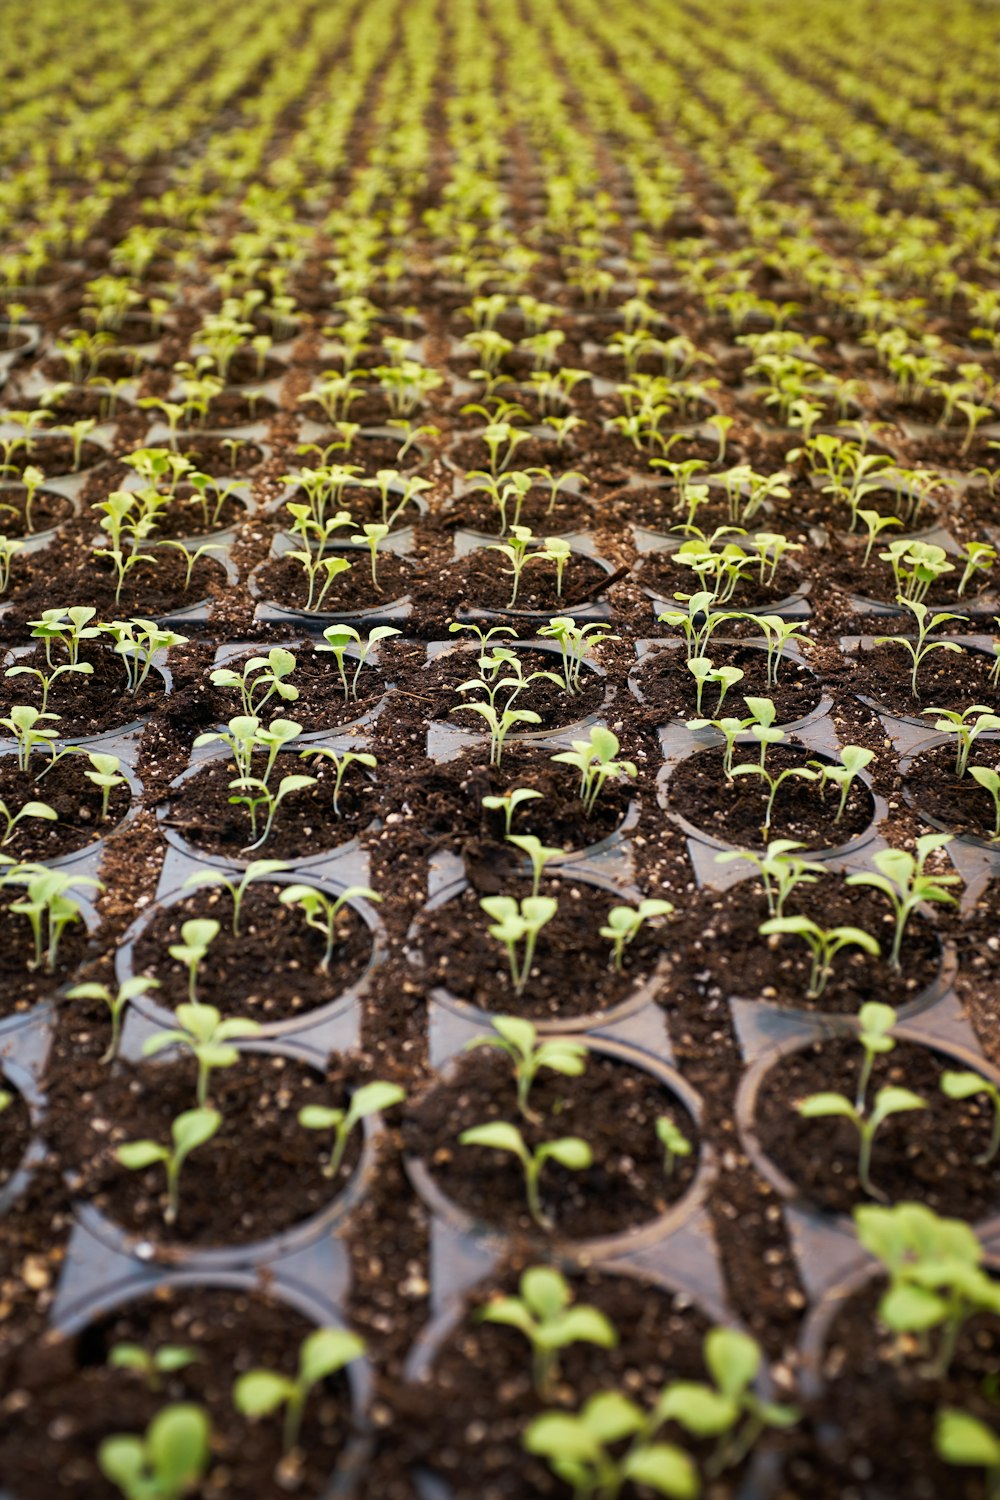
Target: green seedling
207,1036
518,1038
888,1102
338,638
40,810
117,1002
968,1443
549,1319
49,908
9,548
138,642
674,1142
773,784
853,760
781,871
370,536
516,922
322,1354
260,679
989,780
579,1449
967,1086
824,944
321,911
370,1099
105,775
152,1367
538,855
575,642
902,878
625,922
594,758
197,935
257,869
23,722
168,1462
188,1131
965,730
508,803
569,1151
499,724
341,763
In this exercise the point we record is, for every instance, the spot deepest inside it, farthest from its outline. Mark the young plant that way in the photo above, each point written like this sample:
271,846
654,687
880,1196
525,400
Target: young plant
138,642
538,854
967,1086
965,729
508,803
921,648
257,869
188,1131
48,907
23,723
625,922
989,780
258,1393
197,935
152,1366
168,1462
853,760
781,871
207,1036
824,945
569,1151
338,638
9,820
902,877
341,763
365,1101
549,1319
594,758
104,774
575,641
259,680
117,1003
967,1443
516,922
580,1448
370,536
674,1142
321,911
518,1037
772,783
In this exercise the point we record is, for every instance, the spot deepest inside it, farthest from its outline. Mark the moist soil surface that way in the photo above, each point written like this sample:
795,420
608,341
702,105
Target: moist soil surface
445,802
613,1106
477,512
248,1183
284,583
76,1399
483,581
957,803
305,823
150,589
663,682
16,1131
661,575
460,956
715,947
271,971
945,680
22,985
48,510
735,810
924,1156
87,704
77,801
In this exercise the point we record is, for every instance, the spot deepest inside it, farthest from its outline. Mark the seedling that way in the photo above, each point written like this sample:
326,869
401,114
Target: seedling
979,558
901,876
550,1321
257,869
936,1277
10,820
370,536
322,1354
254,793
965,730
875,1026
625,922
499,724
105,775
337,640
594,758
188,1131
23,723
569,1151
341,763
519,922
259,680
367,1100
964,1441
163,1361
989,780
518,1037
9,548
47,680
538,854
49,908
575,642
196,937
824,944
922,647
579,1446
888,1102
967,1086
781,871
853,760
117,1003
915,567
674,1142
316,568
137,642
508,803
773,783
167,1462
206,1035
321,911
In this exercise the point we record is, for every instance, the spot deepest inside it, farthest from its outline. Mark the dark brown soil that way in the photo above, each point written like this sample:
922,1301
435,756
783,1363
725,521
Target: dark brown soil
477,512
213,455
284,582
150,590
15,1133
735,810
75,1399
304,824
946,679
612,1106
445,801
460,955
923,1156
270,971
716,949
483,582
86,704
232,409
65,789
48,510
879,1408
185,515
245,1184
665,684
555,707
958,803
21,986
55,456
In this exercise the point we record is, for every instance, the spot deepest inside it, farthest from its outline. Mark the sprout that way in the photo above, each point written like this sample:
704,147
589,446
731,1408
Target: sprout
624,923
341,764
853,760
674,1142
967,1086
901,877
594,758
10,820
575,641
538,854
516,922
544,1312
188,1131
48,906
964,1441
579,1450
508,803
163,1361
518,1037
258,1393
167,1462
569,1151
321,912
370,536
204,1034
339,637
365,1101
989,780
117,1004
196,937
781,871
261,675
824,944
104,774
257,869
965,732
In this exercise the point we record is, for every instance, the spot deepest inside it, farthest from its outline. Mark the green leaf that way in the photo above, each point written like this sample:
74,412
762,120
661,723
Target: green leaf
499,1136
962,1439
178,1441
545,1291
911,1309
570,1151
325,1352
819,1105
122,1460
584,1325
610,1416
733,1360
372,1097
260,1392
563,1438
665,1469
699,1408
138,1154
319,1117
193,1128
